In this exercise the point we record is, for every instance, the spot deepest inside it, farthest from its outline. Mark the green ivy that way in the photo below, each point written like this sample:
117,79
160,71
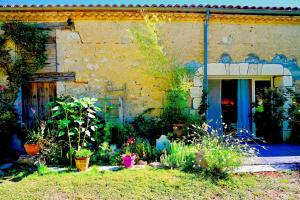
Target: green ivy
30,53
28,56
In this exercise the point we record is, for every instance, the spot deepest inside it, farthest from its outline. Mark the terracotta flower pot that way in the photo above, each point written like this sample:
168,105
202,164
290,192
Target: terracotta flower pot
32,149
178,129
128,161
82,164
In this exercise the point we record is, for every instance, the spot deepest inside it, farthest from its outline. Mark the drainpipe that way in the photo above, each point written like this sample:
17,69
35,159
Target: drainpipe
205,78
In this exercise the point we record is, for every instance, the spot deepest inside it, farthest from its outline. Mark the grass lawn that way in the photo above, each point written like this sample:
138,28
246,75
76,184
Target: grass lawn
149,183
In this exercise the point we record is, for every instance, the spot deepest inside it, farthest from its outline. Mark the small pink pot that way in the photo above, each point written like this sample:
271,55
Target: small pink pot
128,161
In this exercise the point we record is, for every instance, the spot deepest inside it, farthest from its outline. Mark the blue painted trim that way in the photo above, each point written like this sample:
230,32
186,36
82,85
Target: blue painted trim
290,64
205,78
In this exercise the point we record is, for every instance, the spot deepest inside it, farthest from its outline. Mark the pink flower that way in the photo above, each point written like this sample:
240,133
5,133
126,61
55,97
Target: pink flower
130,140
2,88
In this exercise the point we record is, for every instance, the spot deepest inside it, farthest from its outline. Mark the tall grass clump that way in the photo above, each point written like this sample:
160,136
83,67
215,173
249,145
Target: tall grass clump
179,156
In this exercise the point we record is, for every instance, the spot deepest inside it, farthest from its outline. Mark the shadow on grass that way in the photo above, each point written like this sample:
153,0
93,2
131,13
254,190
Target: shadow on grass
16,174
213,177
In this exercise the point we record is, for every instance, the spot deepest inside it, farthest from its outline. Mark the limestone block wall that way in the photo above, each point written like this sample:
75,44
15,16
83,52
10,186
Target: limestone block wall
264,40
102,53
105,58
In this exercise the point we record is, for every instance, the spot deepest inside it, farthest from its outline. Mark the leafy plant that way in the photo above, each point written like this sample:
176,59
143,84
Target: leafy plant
193,134
115,159
105,154
129,146
148,127
144,150
223,153
75,119
33,136
29,56
219,157
30,48
203,106
36,134
270,114
53,149
83,153
121,132
174,77
180,156
294,117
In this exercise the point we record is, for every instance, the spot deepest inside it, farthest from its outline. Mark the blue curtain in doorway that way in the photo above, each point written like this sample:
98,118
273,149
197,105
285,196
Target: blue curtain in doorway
214,111
243,109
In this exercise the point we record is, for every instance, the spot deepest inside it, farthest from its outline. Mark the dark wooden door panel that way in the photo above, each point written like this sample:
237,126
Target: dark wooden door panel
36,96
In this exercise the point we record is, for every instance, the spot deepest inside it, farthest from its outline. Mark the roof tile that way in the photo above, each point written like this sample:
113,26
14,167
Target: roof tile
155,5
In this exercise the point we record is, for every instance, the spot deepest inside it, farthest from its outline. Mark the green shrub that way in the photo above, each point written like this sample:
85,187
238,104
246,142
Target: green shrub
8,122
180,156
294,118
53,150
105,155
143,149
147,126
121,132
115,159
270,114
223,153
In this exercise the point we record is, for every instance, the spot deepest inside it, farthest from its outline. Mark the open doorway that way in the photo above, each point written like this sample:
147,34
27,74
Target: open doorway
229,104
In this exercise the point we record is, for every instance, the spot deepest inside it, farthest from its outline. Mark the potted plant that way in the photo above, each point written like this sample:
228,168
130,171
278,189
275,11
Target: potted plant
32,145
129,157
82,159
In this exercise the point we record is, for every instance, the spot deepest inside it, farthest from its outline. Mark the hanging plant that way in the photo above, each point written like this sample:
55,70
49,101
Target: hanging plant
30,53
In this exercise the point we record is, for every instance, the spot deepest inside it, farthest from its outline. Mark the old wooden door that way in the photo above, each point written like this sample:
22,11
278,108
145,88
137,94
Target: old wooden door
36,96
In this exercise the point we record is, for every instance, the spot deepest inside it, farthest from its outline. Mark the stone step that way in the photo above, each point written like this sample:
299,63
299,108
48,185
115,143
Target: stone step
268,168
272,160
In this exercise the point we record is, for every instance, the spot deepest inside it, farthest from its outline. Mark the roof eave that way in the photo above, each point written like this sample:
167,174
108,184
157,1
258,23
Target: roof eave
156,9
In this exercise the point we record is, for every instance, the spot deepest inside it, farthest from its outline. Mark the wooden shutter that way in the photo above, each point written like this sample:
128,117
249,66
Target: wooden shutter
51,63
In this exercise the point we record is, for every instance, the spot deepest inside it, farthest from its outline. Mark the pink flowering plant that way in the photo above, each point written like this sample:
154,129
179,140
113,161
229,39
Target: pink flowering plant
129,145
129,157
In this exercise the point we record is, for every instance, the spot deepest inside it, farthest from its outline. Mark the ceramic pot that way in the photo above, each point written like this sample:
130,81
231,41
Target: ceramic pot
82,164
128,161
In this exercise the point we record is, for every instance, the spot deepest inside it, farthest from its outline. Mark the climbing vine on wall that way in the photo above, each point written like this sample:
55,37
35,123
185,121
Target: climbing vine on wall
27,56
22,53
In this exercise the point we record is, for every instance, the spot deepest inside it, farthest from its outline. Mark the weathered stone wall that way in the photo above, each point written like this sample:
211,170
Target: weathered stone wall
264,40
105,58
